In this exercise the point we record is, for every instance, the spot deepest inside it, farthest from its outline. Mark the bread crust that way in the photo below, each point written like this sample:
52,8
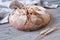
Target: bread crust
29,18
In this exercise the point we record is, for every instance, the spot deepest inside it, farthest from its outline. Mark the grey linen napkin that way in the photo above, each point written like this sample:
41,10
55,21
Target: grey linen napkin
5,11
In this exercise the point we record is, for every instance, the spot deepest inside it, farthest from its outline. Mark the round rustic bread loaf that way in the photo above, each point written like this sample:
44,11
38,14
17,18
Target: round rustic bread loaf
29,18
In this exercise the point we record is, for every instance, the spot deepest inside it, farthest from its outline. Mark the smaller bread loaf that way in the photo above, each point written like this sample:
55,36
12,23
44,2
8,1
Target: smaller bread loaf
15,4
29,18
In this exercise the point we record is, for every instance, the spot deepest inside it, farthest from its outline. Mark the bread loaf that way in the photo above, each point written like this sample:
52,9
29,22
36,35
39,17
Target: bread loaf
29,18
